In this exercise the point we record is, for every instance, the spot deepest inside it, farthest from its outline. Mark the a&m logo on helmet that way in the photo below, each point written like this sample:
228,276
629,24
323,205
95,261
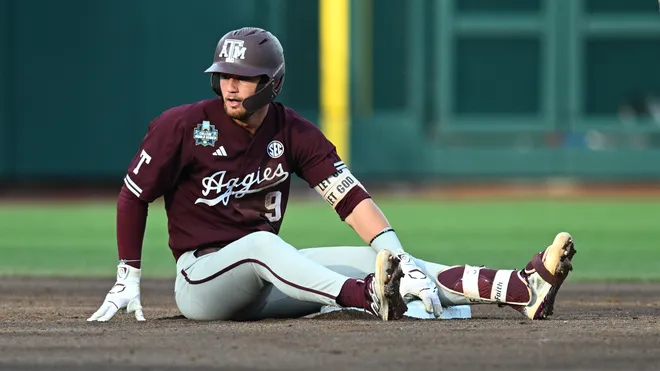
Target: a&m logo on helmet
205,134
232,50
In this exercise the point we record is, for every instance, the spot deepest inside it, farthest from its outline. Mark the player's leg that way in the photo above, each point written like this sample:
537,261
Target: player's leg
225,283
349,261
355,260
531,290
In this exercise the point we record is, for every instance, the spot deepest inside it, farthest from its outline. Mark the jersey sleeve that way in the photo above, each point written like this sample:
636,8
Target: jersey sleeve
155,166
315,157
317,162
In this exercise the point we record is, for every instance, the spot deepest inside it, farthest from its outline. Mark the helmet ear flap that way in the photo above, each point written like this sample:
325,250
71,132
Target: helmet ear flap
265,94
215,84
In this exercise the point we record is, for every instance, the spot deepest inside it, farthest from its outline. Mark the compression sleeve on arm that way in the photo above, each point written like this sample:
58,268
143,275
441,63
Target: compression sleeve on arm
131,225
387,239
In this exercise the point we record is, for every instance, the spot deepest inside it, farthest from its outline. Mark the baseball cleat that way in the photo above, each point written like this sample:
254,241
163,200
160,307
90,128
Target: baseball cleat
545,274
382,288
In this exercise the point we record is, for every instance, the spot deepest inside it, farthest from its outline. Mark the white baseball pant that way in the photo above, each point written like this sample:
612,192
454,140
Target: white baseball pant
261,276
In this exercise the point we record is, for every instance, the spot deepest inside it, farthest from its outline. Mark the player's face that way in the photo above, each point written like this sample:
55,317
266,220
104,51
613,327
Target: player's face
234,90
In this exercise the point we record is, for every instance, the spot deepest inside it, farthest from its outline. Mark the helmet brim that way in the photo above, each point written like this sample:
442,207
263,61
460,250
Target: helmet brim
235,69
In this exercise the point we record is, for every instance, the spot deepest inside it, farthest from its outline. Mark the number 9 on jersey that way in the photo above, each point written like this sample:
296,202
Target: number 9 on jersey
274,206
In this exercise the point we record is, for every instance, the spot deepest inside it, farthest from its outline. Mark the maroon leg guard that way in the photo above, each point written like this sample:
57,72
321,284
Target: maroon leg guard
483,285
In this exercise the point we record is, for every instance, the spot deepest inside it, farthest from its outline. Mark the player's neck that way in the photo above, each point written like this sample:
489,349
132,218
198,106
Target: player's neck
252,123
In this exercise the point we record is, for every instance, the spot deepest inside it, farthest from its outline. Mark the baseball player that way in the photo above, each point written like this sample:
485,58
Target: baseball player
224,167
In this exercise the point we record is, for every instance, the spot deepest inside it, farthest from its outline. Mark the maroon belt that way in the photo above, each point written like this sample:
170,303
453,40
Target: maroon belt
205,250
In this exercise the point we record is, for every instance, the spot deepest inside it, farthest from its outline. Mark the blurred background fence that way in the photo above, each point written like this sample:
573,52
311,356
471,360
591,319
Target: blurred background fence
439,90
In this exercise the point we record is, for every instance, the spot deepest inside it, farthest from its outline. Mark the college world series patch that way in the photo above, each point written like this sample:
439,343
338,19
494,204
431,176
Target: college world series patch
205,134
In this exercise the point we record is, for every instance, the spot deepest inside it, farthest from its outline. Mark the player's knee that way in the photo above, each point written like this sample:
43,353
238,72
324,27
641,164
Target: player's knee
265,237
266,242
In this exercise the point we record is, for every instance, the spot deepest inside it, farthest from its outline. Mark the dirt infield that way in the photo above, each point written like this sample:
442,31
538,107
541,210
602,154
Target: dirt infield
604,327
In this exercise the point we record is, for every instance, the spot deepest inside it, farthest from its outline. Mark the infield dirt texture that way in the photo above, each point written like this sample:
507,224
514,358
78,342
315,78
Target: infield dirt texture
596,327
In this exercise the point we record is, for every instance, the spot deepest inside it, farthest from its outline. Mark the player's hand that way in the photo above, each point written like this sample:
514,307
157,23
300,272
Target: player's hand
416,284
124,294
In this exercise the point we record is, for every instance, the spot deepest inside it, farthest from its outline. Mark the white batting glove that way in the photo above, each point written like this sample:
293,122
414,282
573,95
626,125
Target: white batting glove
124,294
417,285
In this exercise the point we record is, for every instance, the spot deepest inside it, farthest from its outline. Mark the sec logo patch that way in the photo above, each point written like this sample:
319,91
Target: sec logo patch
275,149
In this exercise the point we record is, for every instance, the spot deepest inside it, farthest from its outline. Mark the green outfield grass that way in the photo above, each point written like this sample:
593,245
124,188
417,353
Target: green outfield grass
616,240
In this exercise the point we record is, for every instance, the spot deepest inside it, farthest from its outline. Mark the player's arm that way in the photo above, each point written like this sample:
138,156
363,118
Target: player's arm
354,205
131,222
152,172
351,201
369,222
317,163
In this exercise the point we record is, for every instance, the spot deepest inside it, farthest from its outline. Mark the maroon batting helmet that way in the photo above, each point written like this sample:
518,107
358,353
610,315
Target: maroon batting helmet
251,52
